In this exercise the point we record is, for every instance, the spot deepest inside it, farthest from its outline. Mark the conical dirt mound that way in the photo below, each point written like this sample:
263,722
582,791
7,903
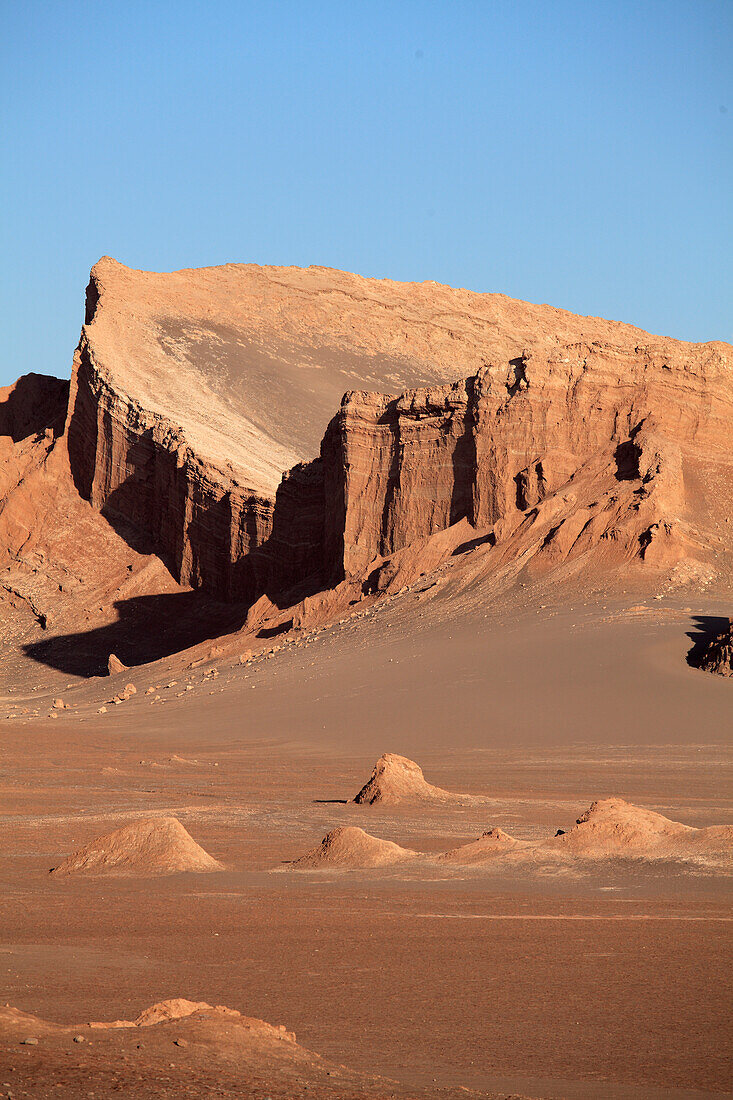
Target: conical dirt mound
613,827
158,846
489,845
351,847
397,779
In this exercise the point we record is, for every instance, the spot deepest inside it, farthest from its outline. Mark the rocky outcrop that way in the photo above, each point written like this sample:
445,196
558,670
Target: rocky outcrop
614,827
495,447
718,655
137,468
554,435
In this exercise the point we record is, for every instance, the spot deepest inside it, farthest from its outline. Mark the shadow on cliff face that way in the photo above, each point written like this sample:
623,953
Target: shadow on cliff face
706,629
36,402
147,628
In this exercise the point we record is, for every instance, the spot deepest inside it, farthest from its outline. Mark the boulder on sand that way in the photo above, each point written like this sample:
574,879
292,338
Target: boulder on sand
115,665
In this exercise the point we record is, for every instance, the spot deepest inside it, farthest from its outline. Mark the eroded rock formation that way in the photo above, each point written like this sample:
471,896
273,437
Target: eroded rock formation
584,430
199,432
396,779
350,848
718,657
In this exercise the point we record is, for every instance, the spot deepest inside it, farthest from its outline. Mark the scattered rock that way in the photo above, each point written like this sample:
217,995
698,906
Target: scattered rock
115,665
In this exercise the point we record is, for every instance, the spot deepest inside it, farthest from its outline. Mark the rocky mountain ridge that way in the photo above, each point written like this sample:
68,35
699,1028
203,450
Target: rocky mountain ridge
491,446
196,396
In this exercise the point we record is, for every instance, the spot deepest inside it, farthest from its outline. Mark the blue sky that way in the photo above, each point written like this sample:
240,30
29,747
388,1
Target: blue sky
579,154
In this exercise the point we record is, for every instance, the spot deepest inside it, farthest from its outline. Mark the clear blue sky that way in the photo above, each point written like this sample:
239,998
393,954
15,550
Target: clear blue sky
576,153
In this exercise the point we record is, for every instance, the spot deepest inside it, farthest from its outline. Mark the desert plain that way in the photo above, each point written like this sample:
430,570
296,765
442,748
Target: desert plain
408,773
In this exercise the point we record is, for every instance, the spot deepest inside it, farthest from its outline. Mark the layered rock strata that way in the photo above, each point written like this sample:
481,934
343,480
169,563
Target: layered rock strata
583,430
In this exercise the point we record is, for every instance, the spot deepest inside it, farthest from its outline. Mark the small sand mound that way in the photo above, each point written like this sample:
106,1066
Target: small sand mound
351,847
397,779
158,846
494,842
613,827
177,1008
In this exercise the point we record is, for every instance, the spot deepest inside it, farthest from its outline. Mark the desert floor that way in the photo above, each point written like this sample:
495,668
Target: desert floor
604,980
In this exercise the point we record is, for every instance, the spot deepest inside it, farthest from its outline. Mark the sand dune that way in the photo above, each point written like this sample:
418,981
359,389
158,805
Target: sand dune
158,846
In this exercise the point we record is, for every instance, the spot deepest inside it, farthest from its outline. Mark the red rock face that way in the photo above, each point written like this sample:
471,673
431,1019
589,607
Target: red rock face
137,469
615,429
583,437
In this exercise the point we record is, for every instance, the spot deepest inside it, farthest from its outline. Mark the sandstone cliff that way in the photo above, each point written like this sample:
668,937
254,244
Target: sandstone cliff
616,430
193,392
